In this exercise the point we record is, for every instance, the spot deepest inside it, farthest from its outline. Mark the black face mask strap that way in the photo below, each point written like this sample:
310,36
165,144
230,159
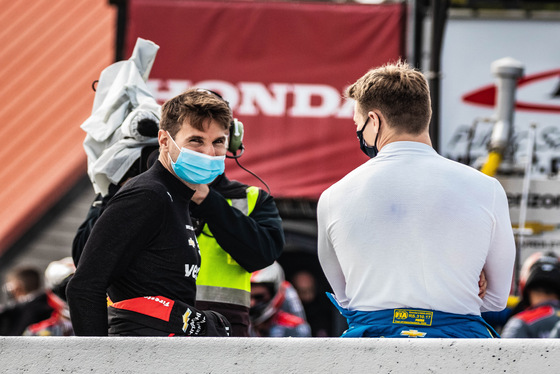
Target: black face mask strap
370,151
364,126
361,131
376,135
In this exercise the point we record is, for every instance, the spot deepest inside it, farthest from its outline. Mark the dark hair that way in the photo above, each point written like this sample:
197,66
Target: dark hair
197,107
29,277
544,276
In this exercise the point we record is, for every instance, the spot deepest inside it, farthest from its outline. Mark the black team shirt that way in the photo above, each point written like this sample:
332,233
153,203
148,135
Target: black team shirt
143,244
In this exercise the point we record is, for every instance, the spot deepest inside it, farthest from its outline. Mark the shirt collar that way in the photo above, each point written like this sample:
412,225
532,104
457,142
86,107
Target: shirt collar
406,147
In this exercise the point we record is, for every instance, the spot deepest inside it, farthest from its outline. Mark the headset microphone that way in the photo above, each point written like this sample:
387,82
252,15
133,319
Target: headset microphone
236,144
239,147
249,171
235,141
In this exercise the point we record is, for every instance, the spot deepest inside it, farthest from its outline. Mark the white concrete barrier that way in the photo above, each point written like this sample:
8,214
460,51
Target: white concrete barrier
277,355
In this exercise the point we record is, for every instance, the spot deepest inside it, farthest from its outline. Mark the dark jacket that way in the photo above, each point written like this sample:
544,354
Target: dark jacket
254,241
535,322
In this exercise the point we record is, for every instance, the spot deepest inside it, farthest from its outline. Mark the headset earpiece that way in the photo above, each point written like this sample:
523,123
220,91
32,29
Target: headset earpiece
235,142
235,136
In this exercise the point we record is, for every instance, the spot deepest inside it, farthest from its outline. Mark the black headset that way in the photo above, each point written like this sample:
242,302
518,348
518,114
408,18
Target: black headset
235,141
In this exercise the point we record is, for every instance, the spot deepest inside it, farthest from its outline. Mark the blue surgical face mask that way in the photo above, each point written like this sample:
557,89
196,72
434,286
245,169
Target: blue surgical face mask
195,167
370,151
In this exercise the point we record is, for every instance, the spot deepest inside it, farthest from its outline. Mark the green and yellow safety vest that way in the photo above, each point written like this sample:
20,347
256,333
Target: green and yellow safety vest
221,279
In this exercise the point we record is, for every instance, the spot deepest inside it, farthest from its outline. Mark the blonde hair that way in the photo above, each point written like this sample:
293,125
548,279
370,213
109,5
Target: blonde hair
399,92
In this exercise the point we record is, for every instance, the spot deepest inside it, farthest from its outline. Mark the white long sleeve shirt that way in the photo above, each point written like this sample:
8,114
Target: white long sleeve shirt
410,228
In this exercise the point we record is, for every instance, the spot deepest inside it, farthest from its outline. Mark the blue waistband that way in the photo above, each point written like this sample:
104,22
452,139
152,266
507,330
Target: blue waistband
413,322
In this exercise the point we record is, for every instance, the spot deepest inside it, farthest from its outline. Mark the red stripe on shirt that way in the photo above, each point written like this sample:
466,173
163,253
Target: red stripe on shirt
153,306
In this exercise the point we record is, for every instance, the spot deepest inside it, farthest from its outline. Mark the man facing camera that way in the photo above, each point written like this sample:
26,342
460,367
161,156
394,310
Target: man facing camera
142,251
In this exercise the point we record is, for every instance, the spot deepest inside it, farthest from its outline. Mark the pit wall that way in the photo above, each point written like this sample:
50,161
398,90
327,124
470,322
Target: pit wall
277,355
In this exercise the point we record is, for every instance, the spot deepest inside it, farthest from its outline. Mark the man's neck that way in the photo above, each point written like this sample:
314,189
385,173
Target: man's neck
166,163
423,138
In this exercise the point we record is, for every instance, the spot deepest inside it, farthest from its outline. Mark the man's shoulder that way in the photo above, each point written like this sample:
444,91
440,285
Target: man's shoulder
466,169
146,185
462,173
345,182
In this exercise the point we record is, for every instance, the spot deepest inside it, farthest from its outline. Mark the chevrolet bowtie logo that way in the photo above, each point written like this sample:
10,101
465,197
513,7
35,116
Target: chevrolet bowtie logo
186,319
413,334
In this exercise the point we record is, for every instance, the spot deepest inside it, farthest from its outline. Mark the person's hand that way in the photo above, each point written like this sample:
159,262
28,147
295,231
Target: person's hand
482,284
201,191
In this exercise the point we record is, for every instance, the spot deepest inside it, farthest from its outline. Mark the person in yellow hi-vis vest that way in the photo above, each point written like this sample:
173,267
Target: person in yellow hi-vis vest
239,230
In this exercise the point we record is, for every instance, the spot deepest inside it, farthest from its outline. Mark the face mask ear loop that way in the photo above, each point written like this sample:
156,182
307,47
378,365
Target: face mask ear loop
377,134
170,137
169,155
361,131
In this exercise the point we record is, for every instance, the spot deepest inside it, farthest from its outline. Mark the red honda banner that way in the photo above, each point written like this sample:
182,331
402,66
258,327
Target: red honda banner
283,67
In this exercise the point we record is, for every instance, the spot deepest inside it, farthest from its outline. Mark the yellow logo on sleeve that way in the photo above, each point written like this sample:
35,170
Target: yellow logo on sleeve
186,319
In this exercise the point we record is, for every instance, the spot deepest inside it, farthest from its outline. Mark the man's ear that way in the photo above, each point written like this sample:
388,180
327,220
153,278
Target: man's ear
375,117
163,139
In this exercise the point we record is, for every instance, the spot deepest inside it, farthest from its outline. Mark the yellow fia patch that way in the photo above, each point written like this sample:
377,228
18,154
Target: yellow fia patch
413,317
